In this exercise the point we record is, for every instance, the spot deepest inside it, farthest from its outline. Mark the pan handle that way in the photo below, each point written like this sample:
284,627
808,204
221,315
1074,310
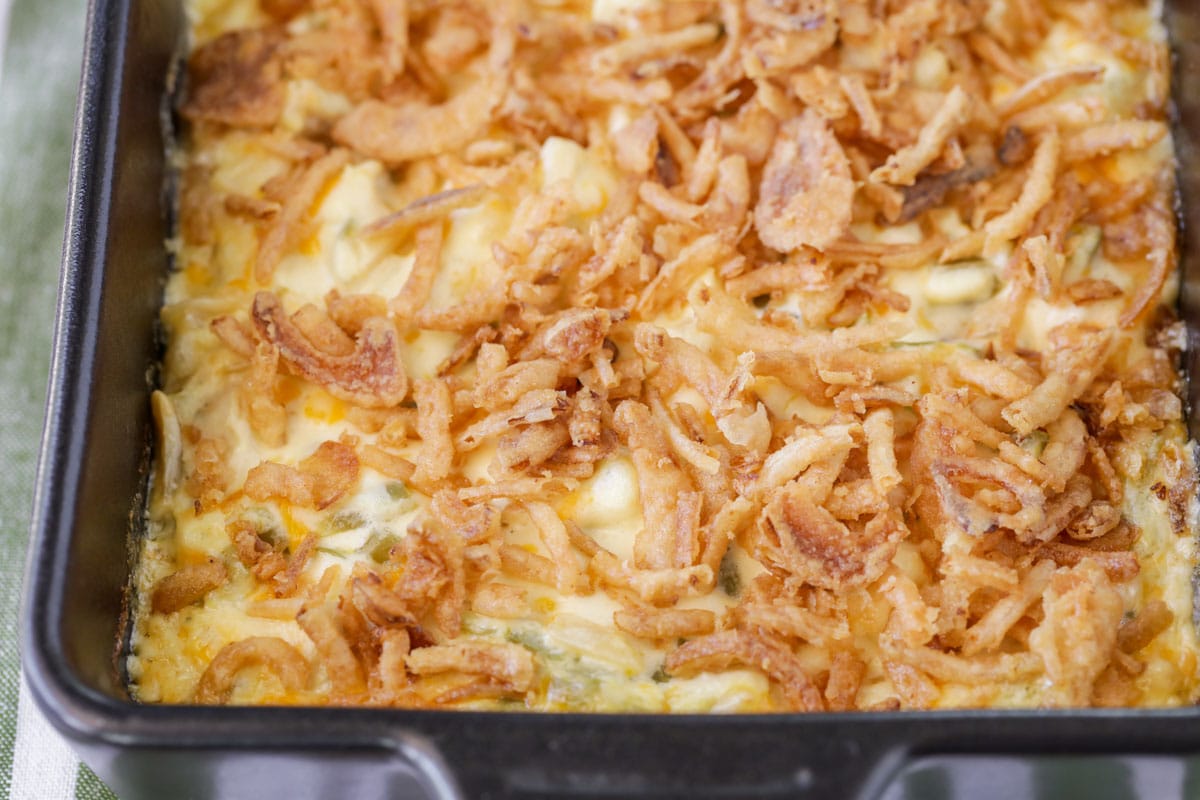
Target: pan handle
997,777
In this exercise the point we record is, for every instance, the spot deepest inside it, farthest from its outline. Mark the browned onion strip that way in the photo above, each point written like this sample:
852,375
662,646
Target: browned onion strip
807,193
373,375
397,134
275,654
187,585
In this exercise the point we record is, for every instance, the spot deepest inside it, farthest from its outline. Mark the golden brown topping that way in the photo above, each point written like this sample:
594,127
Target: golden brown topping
845,677
1046,86
670,508
885,447
236,79
289,227
433,576
372,375
820,549
397,134
758,650
186,586
269,652
1069,372
508,664
321,624
209,478
807,194
432,208
1078,635
670,623
434,413
1034,194
317,482
1134,634
904,165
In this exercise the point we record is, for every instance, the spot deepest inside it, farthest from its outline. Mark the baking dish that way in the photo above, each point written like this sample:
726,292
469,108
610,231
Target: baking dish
88,502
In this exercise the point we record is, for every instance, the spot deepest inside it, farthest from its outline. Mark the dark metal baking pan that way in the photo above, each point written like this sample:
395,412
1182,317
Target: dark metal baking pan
88,499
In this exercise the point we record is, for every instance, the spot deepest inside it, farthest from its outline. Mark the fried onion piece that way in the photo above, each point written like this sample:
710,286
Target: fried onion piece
670,507
665,623
636,144
433,575
904,165
435,411
317,482
989,631
379,604
786,618
570,336
761,651
846,673
791,34
1037,191
373,375
1079,633
187,585
554,536
1069,372
320,623
393,19
508,664
824,551
806,447
316,326
943,666
209,478
659,587
291,224
385,463
610,58
912,621
273,653
1107,138
237,79
257,555
1046,86
1161,233
394,647
350,312
266,415
399,134
720,72
536,406
879,427
807,193
1119,565
1153,618
431,208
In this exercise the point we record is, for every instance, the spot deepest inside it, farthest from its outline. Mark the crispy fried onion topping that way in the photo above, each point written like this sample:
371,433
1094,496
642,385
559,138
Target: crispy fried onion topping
807,193
508,665
753,649
371,375
1076,638
317,482
269,652
400,133
187,585
876,445
235,79
824,551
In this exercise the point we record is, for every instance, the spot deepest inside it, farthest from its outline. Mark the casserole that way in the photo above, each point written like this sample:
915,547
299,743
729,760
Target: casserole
892,427
92,467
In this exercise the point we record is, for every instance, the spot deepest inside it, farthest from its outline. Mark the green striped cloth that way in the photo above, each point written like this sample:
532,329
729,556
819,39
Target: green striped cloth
40,46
